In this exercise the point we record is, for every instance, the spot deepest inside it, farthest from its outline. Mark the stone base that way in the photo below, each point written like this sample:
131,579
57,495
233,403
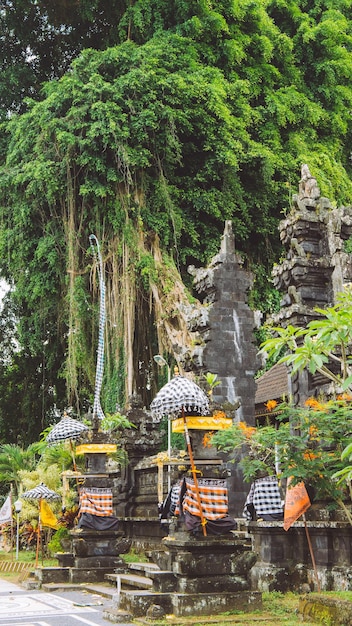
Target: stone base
104,562
326,610
92,543
205,575
116,616
66,559
92,574
138,602
188,604
88,575
268,577
213,603
285,562
46,575
211,584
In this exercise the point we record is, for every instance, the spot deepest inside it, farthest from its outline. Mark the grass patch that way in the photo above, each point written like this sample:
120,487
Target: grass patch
134,557
27,556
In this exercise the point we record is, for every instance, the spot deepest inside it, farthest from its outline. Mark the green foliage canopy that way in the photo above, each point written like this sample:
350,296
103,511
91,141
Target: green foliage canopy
198,114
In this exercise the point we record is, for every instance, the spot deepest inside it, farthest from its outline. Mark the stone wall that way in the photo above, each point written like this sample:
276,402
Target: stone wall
284,560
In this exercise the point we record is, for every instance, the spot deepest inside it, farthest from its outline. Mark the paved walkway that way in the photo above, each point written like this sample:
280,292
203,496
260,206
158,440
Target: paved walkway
19,606
6,587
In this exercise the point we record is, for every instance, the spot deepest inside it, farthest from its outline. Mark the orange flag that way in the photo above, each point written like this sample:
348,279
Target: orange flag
296,503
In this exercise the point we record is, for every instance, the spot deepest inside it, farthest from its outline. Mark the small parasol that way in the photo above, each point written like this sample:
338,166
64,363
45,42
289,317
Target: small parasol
66,429
179,397
40,492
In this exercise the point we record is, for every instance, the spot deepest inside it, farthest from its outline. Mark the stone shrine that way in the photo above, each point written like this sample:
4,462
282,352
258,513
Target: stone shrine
227,326
317,265
315,269
315,236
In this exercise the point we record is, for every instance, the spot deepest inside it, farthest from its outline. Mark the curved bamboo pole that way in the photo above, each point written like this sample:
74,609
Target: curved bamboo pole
194,473
38,535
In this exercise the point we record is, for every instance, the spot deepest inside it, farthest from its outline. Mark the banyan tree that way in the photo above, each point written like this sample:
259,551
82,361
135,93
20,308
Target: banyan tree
151,147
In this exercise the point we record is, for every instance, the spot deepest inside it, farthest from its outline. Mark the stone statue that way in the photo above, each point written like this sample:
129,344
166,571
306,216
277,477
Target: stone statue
296,248
308,187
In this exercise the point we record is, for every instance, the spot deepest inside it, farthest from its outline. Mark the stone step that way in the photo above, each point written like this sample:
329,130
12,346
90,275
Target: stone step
106,591
136,602
31,584
130,580
144,567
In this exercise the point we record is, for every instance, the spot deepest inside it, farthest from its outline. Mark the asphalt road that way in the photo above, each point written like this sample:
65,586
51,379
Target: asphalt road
60,608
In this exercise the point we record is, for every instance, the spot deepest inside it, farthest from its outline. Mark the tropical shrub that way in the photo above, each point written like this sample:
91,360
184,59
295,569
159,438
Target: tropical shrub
305,444
55,544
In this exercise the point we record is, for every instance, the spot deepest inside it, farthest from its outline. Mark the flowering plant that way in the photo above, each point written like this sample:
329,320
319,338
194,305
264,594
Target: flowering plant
305,444
317,437
253,448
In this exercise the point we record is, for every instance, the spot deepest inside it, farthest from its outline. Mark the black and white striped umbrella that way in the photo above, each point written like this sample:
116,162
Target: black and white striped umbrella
66,428
40,492
179,395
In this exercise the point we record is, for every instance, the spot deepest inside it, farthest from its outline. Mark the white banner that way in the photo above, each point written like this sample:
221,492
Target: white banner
6,511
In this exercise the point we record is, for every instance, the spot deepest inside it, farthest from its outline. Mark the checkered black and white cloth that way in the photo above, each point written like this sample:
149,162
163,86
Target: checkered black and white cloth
171,504
175,497
264,496
97,410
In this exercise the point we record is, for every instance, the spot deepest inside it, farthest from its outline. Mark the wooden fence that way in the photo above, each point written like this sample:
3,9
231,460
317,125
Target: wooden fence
13,567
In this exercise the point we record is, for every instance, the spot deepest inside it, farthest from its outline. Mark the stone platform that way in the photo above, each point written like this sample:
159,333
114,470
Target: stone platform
93,555
284,561
204,575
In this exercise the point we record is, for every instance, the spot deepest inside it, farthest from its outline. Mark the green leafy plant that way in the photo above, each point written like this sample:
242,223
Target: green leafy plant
253,448
134,556
55,544
311,449
212,382
115,422
306,445
344,475
321,346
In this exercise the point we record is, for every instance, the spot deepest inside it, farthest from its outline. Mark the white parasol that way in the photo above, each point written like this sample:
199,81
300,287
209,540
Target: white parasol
179,395
66,428
40,492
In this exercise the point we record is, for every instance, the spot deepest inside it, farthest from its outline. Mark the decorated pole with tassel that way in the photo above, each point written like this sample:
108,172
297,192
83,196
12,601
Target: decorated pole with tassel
97,410
203,520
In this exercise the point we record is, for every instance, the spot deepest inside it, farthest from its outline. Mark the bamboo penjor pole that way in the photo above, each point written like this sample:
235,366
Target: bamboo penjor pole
194,473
